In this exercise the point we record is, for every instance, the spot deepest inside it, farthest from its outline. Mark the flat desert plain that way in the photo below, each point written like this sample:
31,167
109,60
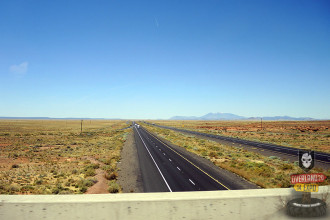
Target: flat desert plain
55,157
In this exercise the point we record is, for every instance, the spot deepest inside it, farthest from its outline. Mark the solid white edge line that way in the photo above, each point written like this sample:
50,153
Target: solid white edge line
155,162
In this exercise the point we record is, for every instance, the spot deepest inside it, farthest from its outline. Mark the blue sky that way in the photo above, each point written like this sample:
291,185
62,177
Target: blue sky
157,59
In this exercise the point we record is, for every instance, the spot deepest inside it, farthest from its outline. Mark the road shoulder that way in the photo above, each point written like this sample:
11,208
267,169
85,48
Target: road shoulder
129,175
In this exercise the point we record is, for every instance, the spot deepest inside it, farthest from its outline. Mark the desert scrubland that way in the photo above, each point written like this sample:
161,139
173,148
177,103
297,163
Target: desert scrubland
54,157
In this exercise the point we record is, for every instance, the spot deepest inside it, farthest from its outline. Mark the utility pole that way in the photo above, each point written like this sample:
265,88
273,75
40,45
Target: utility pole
261,123
81,127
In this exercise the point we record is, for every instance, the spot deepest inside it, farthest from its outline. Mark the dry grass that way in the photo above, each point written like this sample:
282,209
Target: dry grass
267,172
53,157
314,135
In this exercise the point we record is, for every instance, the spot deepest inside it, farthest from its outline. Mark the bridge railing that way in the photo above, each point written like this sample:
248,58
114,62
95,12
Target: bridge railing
234,204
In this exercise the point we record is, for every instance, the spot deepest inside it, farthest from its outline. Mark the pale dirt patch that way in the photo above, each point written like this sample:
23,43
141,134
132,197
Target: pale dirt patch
6,163
218,160
101,187
257,161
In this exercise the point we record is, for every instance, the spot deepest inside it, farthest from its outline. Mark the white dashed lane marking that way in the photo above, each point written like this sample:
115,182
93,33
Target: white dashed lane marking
178,168
191,181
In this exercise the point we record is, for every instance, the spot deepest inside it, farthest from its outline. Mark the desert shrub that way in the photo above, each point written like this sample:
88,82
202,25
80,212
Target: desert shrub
249,164
3,186
108,168
115,157
273,157
286,166
111,176
15,166
83,189
90,172
248,154
113,187
56,191
93,166
13,188
213,154
215,148
14,155
107,161
5,134
66,191
96,166
42,190
85,183
204,153
103,160
27,188
282,181
38,182
90,169
58,188
264,170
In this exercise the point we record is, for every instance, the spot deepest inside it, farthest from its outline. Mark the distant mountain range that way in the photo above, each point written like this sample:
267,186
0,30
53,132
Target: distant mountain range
229,116
209,116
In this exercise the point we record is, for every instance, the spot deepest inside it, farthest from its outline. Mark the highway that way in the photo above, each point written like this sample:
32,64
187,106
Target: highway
322,159
166,169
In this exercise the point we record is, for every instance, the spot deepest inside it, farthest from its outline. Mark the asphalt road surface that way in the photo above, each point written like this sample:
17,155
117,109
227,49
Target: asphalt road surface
322,159
165,169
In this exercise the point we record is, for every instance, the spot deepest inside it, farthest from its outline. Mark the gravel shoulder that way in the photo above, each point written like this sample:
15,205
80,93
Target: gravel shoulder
129,175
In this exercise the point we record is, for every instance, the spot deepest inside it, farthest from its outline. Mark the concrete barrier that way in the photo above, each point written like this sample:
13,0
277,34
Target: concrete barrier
234,204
